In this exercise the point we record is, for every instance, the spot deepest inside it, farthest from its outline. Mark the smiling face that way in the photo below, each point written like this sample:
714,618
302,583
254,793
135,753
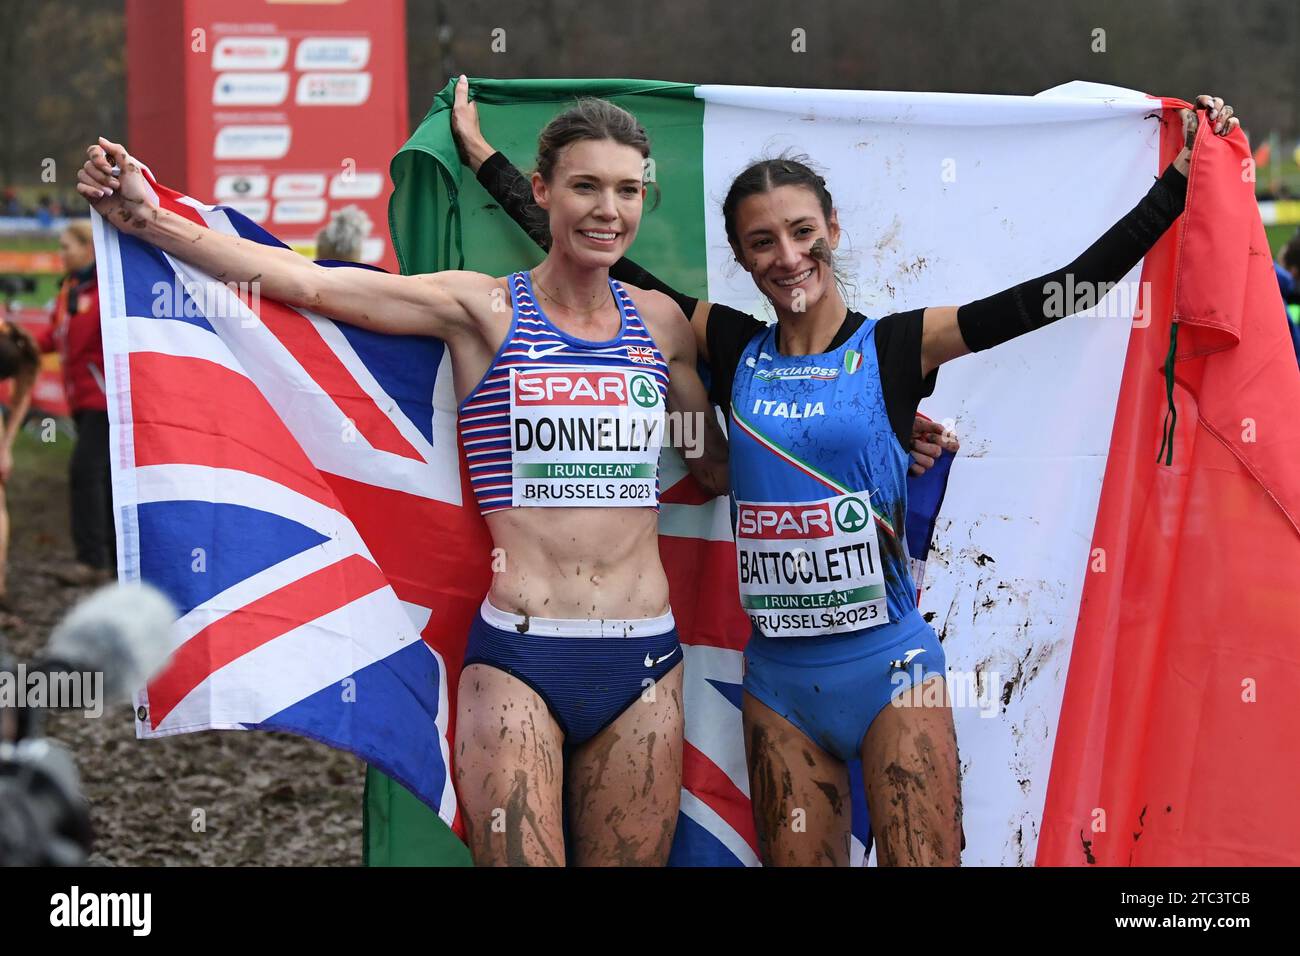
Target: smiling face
784,242
594,200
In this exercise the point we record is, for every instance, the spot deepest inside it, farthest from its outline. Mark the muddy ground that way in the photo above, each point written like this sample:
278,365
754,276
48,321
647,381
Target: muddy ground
267,798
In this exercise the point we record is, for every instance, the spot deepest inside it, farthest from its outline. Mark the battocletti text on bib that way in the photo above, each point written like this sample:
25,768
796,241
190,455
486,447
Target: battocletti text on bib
810,568
584,436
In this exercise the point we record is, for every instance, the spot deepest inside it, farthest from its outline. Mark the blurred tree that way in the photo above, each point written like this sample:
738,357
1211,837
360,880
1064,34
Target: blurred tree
61,63
62,79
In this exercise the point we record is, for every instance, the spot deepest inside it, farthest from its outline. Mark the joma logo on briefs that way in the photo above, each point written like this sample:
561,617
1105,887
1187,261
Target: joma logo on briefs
570,388
785,521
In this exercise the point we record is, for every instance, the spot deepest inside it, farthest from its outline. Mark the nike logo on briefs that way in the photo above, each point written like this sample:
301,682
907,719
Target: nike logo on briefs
650,663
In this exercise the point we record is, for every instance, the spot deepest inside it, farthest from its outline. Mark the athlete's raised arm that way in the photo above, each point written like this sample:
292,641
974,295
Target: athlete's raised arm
949,332
514,193
441,304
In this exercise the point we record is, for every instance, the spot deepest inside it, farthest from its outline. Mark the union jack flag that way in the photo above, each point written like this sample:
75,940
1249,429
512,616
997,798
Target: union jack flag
295,486
641,354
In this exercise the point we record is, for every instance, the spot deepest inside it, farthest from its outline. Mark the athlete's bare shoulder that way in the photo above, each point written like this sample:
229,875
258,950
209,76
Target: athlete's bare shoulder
664,319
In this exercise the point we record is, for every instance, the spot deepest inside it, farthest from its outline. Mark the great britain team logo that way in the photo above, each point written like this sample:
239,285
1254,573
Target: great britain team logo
852,361
641,355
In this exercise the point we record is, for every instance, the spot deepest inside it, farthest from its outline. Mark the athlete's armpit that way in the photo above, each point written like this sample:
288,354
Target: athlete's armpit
692,421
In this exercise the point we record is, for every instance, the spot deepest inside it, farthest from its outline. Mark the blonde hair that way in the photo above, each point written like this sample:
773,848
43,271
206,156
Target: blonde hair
81,229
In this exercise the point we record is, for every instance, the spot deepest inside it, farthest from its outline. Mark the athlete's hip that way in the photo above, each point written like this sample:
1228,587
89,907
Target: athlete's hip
840,648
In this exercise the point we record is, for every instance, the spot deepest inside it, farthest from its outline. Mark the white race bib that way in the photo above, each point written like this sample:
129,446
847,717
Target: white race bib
810,568
584,436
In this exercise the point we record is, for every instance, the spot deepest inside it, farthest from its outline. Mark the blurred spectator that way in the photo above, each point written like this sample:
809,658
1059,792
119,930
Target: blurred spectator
9,204
20,361
74,332
342,239
1287,268
45,212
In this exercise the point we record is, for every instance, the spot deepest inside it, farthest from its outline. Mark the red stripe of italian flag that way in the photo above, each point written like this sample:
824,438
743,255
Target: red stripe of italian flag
838,487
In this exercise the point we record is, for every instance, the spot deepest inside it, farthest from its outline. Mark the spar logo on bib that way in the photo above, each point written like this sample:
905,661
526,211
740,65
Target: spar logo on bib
817,520
784,521
852,514
560,387
644,392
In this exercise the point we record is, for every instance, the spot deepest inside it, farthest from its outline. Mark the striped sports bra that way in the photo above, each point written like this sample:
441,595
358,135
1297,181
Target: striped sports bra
559,421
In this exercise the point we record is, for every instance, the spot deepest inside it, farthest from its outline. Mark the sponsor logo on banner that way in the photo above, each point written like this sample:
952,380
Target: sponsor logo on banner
299,186
299,210
250,89
332,53
252,142
333,89
239,186
250,53
372,249
254,209
356,185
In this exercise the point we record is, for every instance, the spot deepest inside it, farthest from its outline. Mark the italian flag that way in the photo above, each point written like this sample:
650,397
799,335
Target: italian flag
1115,568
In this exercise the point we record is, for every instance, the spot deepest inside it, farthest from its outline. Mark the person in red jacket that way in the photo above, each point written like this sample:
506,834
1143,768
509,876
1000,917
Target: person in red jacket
74,333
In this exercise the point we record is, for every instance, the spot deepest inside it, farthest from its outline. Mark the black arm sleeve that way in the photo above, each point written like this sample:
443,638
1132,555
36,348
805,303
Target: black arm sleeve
1033,304
898,350
728,332
511,190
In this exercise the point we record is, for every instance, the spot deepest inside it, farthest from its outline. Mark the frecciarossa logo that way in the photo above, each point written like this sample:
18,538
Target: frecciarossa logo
570,388
785,521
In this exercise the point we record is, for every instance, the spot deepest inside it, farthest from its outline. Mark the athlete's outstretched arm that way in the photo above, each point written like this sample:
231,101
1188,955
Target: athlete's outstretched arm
514,193
442,304
951,331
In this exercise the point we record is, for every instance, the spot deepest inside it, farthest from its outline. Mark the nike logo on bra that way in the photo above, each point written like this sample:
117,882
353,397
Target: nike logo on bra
534,353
